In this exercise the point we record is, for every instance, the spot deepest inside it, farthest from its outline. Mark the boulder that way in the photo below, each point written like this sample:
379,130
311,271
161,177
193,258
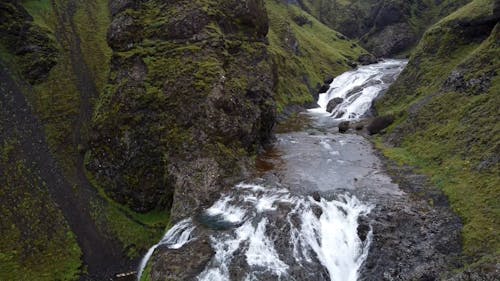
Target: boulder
324,88
380,123
328,80
333,103
181,264
344,127
366,59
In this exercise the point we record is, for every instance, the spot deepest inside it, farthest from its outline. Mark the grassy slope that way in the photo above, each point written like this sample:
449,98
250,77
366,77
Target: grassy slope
57,101
449,135
36,242
321,53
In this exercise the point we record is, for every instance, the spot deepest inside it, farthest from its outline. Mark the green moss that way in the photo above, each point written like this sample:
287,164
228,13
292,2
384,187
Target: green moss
135,231
453,135
36,242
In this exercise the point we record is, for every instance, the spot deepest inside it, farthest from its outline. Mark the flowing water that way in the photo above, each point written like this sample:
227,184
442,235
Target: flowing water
358,88
300,217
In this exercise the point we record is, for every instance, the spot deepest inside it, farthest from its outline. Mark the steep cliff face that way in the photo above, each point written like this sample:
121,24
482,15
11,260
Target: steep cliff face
189,96
446,107
387,27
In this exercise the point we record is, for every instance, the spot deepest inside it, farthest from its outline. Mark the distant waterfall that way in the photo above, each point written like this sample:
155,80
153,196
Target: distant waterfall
355,90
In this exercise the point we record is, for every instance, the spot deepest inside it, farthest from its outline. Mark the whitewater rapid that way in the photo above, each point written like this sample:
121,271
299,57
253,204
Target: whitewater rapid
276,230
358,88
323,230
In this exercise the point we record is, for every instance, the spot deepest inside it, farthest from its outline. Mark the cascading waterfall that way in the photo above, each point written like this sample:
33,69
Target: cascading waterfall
269,233
175,238
357,89
324,231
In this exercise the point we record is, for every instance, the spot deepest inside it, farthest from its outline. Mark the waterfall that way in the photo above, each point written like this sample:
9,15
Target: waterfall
175,238
355,90
265,231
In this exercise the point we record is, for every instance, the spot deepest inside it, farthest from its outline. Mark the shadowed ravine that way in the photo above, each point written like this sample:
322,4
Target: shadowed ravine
304,215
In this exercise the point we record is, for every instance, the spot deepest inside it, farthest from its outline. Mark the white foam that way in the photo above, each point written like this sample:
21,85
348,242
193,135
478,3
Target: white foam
332,238
175,238
261,251
359,102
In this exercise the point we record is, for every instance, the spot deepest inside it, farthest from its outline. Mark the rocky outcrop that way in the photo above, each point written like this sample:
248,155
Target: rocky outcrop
333,103
384,27
344,126
415,237
188,98
35,50
379,123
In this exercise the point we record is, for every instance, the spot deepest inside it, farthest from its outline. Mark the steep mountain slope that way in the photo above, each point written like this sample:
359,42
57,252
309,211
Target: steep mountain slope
305,52
54,62
447,120
386,28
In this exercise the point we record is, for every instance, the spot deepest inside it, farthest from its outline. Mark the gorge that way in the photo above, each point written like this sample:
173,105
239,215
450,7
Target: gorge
182,140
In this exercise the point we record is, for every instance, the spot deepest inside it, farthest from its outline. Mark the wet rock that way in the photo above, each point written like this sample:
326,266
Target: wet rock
363,230
181,264
344,126
359,126
352,64
316,196
35,49
339,114
317,211
324,88
380,123
333,103
366,59
412,239
328,80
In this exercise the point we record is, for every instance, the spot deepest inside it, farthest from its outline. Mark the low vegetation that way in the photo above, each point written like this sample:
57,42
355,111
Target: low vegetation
446,103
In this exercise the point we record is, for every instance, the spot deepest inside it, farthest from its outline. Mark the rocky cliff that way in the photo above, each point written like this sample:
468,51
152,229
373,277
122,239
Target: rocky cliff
446,107
386,28
189,96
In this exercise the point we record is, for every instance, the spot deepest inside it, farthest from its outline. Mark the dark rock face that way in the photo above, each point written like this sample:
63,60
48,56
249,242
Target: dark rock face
328,80
324,88
333,103
180,115
412,239
391,39
379,123
366,59
182,264
344,126
474,85
35,50
385,27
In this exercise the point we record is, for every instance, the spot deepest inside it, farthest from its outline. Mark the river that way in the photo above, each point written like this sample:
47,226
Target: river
302,216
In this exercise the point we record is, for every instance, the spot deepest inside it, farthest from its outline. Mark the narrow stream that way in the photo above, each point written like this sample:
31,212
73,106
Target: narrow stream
301,217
